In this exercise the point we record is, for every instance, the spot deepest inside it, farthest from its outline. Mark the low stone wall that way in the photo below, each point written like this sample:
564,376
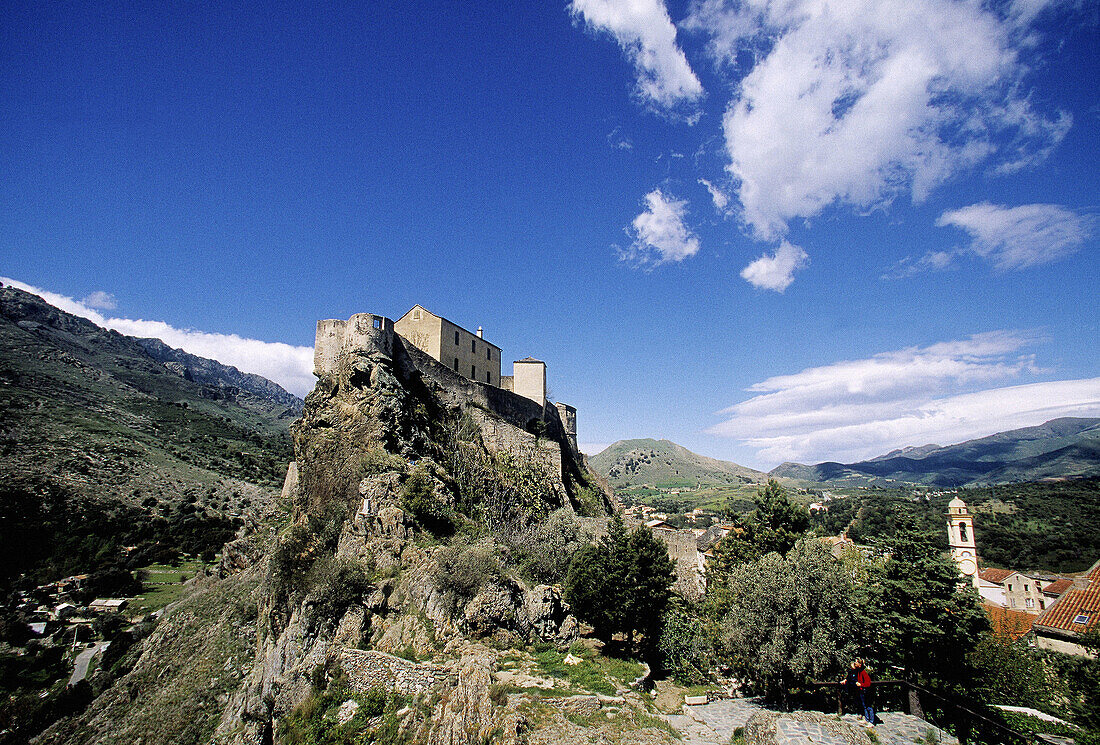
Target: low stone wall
583,706
367,669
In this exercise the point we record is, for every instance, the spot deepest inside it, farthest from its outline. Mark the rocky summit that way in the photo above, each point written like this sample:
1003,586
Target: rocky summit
411,498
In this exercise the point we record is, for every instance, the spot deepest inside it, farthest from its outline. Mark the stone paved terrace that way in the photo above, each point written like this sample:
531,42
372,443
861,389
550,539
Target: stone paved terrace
715,723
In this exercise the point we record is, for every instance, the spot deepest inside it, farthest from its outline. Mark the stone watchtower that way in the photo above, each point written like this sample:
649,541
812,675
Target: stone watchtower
960,536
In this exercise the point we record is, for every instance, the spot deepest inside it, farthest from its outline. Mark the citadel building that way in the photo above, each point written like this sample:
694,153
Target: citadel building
465,353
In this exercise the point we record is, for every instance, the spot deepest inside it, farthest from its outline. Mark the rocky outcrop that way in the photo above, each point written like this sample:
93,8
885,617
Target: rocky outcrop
465,713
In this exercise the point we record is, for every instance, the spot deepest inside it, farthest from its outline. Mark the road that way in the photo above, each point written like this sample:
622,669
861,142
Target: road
84,659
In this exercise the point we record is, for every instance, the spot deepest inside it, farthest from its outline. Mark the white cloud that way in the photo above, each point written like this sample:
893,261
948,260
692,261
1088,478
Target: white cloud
857,409
776,272
719,197
100,299
660,235
287,365
859,101
618,140
1019,237
932,261
647,35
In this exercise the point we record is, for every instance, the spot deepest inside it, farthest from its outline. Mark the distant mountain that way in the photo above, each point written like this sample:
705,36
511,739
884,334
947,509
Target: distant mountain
1061,448
664,463
101,431
213,373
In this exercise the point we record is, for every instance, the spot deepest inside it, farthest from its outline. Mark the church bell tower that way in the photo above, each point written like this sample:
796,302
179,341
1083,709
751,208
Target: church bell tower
960,536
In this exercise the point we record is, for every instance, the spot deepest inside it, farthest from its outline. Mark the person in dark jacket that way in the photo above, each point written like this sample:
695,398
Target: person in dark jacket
858,683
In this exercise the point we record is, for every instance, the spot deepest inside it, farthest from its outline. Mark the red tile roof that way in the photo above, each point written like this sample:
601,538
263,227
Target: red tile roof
1057,587
996,576
1075,602
1008,622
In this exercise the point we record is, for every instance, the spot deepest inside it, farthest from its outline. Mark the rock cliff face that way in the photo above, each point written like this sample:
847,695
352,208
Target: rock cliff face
408,485
389,447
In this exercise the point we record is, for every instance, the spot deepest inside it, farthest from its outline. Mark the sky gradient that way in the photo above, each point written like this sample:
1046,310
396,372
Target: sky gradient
767,231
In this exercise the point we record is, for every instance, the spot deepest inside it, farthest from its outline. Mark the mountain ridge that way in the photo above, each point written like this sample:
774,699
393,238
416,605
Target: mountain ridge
1065,447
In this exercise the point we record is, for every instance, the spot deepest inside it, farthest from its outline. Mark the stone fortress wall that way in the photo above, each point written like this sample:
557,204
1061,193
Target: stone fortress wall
543,434
363,332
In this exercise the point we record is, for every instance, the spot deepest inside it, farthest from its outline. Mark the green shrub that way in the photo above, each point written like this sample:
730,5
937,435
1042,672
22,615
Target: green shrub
683,645
545,550
463,570
339,583
377,461
418,498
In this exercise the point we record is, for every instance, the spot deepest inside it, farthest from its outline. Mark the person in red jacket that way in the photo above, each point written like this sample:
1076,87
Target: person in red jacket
859,683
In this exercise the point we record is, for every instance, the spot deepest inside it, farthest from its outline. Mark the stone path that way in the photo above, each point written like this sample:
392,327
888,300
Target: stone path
792,732
902,729
713,723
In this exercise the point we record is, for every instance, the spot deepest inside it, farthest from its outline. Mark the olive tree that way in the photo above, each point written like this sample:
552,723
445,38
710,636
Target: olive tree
790,618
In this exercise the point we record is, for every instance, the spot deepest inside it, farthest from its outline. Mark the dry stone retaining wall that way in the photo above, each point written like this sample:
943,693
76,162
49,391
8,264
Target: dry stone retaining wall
368,668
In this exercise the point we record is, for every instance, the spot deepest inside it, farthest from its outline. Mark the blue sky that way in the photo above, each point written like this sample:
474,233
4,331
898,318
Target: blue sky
766,230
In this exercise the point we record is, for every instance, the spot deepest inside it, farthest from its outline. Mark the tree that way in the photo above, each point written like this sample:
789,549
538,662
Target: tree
919,617
779,522
775,525
649,578
684,647
789,619
622,584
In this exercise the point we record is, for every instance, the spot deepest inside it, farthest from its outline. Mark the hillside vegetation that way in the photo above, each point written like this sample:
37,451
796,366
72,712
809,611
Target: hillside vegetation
104,445
671,477
1030,527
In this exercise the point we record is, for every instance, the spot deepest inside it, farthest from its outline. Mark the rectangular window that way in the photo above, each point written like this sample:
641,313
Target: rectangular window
1030,603
456,364
456,338
473,345
378,323
473,372
1082,618
488,353
487,377
1010,587
416,315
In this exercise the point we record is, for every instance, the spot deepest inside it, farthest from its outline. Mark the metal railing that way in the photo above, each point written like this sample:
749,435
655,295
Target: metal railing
958,717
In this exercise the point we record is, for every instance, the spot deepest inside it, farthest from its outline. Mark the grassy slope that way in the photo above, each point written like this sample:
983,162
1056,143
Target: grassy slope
88,408
92,427
670,477
665,464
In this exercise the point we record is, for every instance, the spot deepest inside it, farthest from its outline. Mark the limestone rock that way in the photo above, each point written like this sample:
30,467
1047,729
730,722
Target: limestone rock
347,711
464,714
549,617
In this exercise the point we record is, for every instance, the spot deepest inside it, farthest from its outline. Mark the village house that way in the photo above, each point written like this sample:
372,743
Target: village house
1061,626
108,605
